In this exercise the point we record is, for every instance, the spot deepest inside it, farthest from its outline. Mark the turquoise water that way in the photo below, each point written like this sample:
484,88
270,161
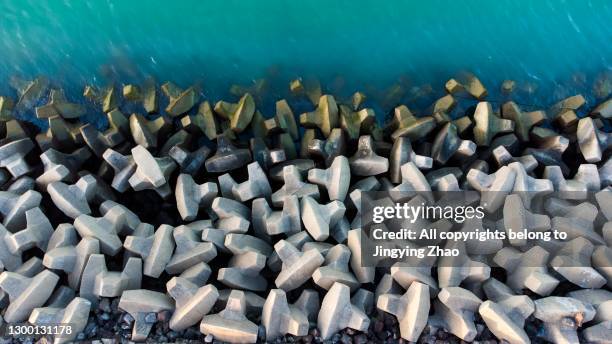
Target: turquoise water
552,48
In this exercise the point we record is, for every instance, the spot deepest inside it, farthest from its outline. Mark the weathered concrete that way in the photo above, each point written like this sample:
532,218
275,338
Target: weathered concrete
562,316
324,117
337,312
227,157
318,219
456,306
12,156
139,303
488,125
232,215
36,234
527,270
155,250
13,207
336,269
189,250
293,186
279,317
256,185
73,200
151,173
75,314
97,281
25,293
336,179
366,162
190,196
592,142
192,302
267,222
231,324
298,266
447,145
410,309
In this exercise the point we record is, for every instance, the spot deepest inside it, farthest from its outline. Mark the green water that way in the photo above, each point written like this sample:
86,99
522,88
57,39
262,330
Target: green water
552,48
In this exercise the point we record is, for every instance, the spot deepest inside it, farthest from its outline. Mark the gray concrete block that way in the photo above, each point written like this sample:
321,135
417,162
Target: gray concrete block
366,162
411,309
197,274
147,133
99,142
104,229
456,306
493,187
318,218
336,269
124,167
297,240
139,303
363,273
12,156
243,269
227,157
26,293
127,221
517,218
13,207
192,302
308,303
232,215
297,267
294,186
336,179
8,260
401,153
325,116
189,162
598,334
527,270
155,250
97,281
602,262
561,317
279,317
265,156
592,142
502,157
76,313
151,173
335,145
405,124
488,125
267,222
73,200
189,250
356,122
453,271
36,234
577,227
337,313
573,262
59,105
447,144
255,186
190,197
231,324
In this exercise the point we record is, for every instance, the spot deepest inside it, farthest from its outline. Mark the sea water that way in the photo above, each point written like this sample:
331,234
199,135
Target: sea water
552,49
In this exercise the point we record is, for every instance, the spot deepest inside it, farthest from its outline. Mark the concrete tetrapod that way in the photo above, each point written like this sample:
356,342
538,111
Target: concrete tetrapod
25,293
318,219
298,266
231,324
139,304
73,200
36,234
366,162
294,186
337,312
97,281
456,306
75,314
527,270
505,313
13,207
410,309
190,197
267,222
573,262
335,269
336,179
256,186
561,317
189,250
155,250
192,303
280,318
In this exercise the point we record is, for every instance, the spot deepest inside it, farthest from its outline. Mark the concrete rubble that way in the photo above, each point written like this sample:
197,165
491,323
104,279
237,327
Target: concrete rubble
186,221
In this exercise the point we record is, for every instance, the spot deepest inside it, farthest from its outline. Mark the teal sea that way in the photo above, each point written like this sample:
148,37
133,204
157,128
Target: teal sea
551,48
